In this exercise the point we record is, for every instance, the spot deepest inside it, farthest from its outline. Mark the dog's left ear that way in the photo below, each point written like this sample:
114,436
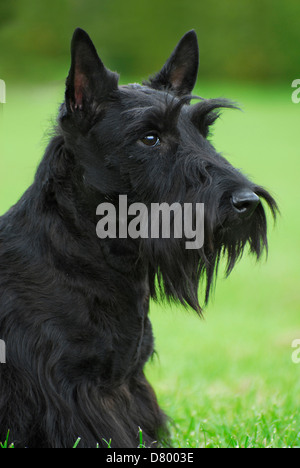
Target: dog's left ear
89,80
179,74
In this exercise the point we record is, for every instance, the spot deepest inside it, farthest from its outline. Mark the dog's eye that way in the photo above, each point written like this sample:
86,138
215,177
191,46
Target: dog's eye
150,140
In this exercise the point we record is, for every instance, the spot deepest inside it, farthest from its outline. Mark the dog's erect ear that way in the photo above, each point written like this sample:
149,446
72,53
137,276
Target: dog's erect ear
88,81
179,74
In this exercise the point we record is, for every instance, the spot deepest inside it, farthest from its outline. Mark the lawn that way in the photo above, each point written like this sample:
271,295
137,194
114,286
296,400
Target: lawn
227,380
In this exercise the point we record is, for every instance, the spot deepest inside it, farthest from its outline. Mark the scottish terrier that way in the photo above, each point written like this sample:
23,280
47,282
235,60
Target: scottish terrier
73,307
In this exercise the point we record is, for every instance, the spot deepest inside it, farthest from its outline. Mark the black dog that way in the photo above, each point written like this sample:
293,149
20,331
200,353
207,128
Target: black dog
74,308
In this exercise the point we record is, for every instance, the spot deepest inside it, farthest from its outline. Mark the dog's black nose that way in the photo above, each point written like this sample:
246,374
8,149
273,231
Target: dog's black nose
244,201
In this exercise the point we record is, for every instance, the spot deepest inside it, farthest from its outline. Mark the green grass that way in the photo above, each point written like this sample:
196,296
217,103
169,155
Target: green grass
6,444
227,380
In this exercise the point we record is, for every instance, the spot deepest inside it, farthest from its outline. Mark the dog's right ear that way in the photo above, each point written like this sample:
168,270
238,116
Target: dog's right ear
179,73
89,81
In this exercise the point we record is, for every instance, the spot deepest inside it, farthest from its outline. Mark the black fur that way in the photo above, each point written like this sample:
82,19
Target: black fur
74,308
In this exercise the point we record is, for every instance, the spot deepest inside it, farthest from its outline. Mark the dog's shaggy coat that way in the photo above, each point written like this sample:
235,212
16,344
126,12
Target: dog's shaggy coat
74,308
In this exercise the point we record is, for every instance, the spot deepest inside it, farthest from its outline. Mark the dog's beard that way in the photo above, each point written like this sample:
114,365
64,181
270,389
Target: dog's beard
177,273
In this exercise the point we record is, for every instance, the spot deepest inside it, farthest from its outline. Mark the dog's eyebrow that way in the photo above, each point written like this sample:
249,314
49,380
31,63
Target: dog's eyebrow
144,119
136,112
205,113
162,117
206,106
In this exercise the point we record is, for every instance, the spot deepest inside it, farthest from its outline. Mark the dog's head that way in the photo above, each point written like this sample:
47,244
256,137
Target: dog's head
149,143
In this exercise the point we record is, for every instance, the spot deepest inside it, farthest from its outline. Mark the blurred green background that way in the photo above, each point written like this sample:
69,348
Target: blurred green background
228,380
248,39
